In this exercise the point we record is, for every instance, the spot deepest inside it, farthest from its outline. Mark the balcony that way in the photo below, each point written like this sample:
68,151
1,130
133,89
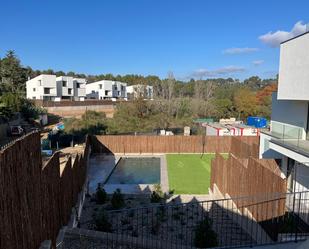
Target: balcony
290,138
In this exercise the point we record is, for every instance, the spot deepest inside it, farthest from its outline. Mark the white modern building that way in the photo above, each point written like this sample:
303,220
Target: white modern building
140,91
106,89
42,87
288,138
50,87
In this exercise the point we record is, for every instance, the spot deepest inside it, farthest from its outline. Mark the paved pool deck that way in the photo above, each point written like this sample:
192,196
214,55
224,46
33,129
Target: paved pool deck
101,166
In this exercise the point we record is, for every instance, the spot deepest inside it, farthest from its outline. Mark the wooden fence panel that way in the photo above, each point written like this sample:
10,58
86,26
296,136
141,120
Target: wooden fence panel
161,144
250,177
34,201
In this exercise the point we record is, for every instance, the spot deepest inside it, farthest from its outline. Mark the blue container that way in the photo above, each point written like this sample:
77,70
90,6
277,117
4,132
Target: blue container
258,122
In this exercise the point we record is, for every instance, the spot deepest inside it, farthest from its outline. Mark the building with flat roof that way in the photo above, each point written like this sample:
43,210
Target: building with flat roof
106,89
140,91
288,138
50,87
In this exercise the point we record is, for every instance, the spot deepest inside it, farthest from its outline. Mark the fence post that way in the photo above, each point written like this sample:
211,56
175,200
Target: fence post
298,210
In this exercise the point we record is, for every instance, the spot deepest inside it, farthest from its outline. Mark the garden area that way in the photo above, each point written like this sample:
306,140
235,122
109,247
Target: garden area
189,173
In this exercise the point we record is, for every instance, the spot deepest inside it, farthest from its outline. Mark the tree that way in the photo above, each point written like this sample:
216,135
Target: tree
245,103
13,76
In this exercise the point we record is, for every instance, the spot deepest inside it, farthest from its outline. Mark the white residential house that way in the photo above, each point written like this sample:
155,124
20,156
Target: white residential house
106,89
71,88
42,87
140,91
288,138
79,86
65,87
50,87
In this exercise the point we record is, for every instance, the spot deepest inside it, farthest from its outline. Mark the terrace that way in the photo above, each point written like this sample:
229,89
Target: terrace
288,137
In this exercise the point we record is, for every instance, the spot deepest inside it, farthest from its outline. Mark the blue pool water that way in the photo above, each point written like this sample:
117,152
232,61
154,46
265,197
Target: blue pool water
136,170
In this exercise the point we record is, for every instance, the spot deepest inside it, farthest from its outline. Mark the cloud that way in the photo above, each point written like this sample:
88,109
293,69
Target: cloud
257,62
239,50
224,71
273,39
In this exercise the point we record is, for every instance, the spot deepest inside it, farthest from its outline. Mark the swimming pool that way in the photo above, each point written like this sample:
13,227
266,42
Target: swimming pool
136,170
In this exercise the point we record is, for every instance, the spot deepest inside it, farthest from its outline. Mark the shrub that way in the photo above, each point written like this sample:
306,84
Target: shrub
101,222
100,196
156,195
205,237
117,199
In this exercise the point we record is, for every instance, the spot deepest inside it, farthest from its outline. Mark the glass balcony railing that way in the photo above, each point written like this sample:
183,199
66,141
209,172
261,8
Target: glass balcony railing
291,137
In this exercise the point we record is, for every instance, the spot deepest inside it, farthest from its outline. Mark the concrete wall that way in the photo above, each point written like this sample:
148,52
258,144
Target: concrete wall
78,111
293,70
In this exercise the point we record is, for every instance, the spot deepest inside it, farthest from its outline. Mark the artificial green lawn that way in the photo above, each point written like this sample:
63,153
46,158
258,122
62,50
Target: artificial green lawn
189,173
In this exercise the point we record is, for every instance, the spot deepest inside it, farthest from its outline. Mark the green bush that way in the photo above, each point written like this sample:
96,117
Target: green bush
156,195
205,237
117,199
101,222
101,195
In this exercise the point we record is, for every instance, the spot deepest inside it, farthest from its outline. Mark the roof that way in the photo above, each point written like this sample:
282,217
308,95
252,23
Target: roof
307,32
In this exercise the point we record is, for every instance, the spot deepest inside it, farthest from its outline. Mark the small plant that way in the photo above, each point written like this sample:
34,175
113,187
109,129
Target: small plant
100,196
157,195
101,222
117,199
205,237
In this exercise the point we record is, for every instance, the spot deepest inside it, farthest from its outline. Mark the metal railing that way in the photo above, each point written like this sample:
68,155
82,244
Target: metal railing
224,223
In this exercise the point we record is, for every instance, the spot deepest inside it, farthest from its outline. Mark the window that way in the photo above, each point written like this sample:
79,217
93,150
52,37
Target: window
116,88
34,89
92,91
122,88
46,90
33,97
64,83
100,86
70,91
106,92
40,82
118,93
77,85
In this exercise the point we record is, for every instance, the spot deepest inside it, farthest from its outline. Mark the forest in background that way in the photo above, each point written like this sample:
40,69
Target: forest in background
176,103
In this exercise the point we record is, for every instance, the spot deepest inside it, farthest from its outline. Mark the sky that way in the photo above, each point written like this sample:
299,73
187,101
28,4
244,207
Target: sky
192,39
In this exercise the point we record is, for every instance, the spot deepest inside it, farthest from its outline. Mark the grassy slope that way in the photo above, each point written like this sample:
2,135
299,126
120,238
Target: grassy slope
188,173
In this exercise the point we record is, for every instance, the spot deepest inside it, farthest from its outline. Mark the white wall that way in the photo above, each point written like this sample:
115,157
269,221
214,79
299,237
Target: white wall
294,69
79,93
39,83
113,89
289,112
63,91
